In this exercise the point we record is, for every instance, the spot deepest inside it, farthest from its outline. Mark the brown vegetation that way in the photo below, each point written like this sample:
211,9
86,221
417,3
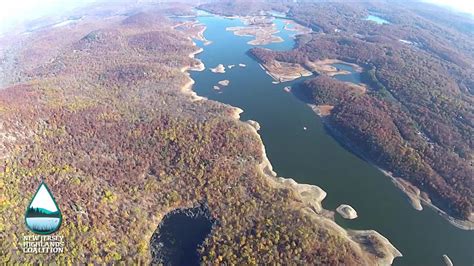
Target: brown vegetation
108,127
417,120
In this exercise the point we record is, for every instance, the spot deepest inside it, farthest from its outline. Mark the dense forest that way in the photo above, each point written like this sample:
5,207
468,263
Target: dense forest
103,113
417,118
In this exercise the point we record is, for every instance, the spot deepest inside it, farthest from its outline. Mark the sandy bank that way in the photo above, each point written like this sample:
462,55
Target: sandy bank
197,64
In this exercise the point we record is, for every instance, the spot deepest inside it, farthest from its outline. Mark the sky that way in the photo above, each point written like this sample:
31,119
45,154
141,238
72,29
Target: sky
15,11
20,9
466,6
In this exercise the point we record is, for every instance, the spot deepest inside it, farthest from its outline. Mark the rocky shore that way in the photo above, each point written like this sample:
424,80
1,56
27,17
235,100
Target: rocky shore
369,242
414,195
370,245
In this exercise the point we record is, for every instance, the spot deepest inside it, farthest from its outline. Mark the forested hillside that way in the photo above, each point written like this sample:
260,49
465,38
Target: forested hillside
416,120
104,114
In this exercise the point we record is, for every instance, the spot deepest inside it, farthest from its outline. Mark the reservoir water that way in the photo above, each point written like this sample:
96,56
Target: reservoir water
312,156
43,224
179,236
377,19
353,77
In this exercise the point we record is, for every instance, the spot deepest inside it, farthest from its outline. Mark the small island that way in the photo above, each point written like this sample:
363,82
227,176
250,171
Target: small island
220,68
260,27
224,82
346,211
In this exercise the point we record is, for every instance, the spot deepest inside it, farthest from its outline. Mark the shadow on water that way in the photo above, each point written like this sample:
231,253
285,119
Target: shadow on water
302,92
180,234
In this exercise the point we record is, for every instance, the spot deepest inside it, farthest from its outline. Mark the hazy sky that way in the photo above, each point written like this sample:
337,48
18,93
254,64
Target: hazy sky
20,9
14,11
466,6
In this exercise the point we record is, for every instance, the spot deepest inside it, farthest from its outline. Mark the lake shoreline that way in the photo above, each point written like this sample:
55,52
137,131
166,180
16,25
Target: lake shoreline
415,200
163,254
403,216
311,195
257,27
186,88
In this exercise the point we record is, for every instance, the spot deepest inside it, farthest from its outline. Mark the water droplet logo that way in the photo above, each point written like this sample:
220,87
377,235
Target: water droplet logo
43,215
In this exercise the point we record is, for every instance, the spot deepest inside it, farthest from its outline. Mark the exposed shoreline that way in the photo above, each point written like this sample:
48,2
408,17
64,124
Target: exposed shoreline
311,195
325,66
346,211
415,199
283,72
295,27
415,195
261,28
187,87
